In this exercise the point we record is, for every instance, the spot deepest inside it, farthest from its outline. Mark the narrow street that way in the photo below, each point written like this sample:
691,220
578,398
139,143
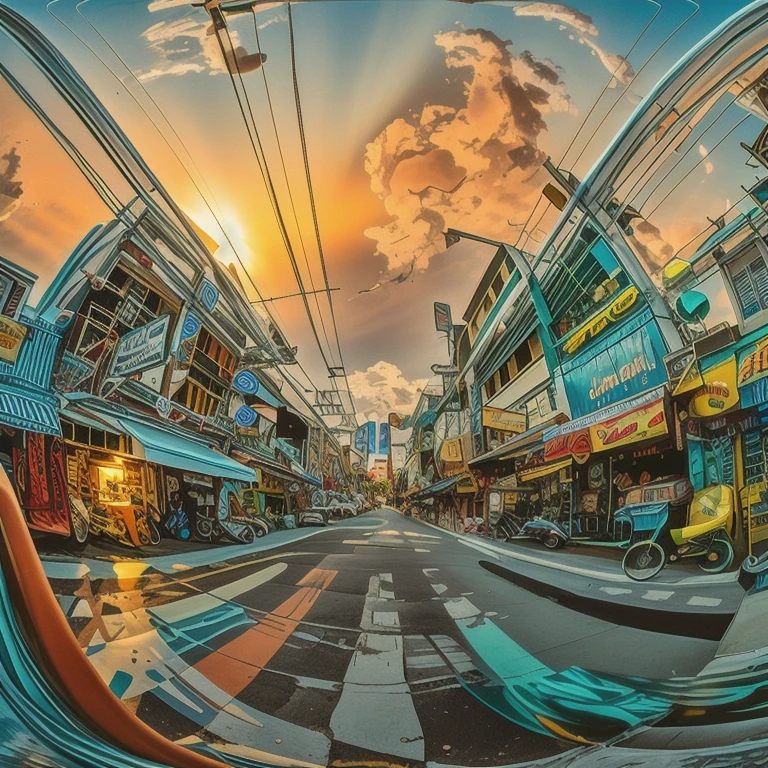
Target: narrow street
376,639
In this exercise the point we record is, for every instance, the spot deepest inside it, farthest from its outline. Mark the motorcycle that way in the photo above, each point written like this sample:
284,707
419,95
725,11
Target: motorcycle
547,532
669,533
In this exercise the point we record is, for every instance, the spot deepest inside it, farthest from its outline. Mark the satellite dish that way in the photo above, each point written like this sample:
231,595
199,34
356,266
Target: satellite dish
692,306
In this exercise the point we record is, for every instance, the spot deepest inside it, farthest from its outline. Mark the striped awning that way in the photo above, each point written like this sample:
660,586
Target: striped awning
30,411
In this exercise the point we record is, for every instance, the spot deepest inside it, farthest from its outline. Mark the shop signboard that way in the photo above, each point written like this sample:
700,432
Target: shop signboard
632,421
11,336
643,423
142,348
625,363
504,421
753,374
615,312
361,439
577,445
718,393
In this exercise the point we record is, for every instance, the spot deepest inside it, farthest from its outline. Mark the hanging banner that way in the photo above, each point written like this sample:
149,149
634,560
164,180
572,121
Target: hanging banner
643,423
505,421
141,348
11,336
627,362
753,374
719,392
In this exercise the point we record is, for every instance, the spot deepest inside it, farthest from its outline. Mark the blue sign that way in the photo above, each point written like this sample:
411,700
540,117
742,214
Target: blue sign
141,348
371,437
383,437
625,363
361,440
246,383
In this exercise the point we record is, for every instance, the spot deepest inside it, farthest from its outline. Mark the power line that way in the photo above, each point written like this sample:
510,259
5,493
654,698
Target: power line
255,141
308,174
602,93
314,291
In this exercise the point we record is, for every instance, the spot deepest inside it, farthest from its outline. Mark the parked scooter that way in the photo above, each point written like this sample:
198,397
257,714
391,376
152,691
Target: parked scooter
475,525
547,532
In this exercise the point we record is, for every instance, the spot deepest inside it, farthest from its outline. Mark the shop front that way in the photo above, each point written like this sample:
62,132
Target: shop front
624,445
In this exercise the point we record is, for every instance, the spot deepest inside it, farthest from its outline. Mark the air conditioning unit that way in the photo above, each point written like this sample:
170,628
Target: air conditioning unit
720,336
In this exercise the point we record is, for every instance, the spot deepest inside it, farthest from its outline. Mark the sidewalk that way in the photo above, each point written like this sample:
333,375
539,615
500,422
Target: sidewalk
679,601
135,562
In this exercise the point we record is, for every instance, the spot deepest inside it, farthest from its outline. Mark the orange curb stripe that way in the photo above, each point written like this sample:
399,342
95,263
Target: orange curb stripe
234,665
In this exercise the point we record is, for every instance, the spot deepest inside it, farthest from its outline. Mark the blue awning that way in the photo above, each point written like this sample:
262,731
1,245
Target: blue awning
305,476
426,419
439,487
29,411
172,450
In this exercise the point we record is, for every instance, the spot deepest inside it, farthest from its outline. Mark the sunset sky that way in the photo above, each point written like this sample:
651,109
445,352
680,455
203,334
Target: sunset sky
418,116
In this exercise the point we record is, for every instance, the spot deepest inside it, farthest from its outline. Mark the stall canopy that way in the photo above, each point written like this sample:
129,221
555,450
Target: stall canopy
29,410
186,453
439,487
519,443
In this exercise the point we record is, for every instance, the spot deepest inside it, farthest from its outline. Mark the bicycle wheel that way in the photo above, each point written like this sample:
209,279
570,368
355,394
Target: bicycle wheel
643,560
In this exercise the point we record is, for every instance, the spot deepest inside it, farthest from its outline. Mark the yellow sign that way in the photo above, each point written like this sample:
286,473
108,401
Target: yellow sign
597,324
718,393
11,336
642,423
504,421
754,365
450,451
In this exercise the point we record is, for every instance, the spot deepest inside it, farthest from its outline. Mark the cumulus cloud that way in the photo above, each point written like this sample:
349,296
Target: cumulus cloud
564,14
382,388
570,18
10,186
186,45
708,166
650,245
470,166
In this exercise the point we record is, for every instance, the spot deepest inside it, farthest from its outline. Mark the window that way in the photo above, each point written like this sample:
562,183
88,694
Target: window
749,275
582,281
112,310
210,374
497,285
95,438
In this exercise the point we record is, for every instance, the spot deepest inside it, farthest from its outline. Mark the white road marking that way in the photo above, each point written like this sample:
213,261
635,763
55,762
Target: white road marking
439,588
710,602
616,590
356,541
657,594
422,550
421,535
386,619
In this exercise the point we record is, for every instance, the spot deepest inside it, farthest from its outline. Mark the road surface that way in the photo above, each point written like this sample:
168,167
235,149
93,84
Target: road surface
377,640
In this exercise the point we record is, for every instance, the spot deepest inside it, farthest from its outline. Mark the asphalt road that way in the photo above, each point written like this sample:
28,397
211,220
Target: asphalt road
377,640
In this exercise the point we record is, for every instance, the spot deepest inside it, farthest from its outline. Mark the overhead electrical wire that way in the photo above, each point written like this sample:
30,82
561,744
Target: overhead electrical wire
310,189
639,72
255,141
194,183
691,170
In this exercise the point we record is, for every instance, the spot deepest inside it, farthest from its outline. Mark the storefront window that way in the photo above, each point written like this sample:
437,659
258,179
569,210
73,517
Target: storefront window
210,374
582,281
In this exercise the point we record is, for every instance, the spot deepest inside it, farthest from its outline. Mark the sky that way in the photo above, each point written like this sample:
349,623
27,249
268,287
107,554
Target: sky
418,116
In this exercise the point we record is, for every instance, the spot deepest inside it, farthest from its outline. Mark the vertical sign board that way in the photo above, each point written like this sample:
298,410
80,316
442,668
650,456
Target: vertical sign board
371,437
384,437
